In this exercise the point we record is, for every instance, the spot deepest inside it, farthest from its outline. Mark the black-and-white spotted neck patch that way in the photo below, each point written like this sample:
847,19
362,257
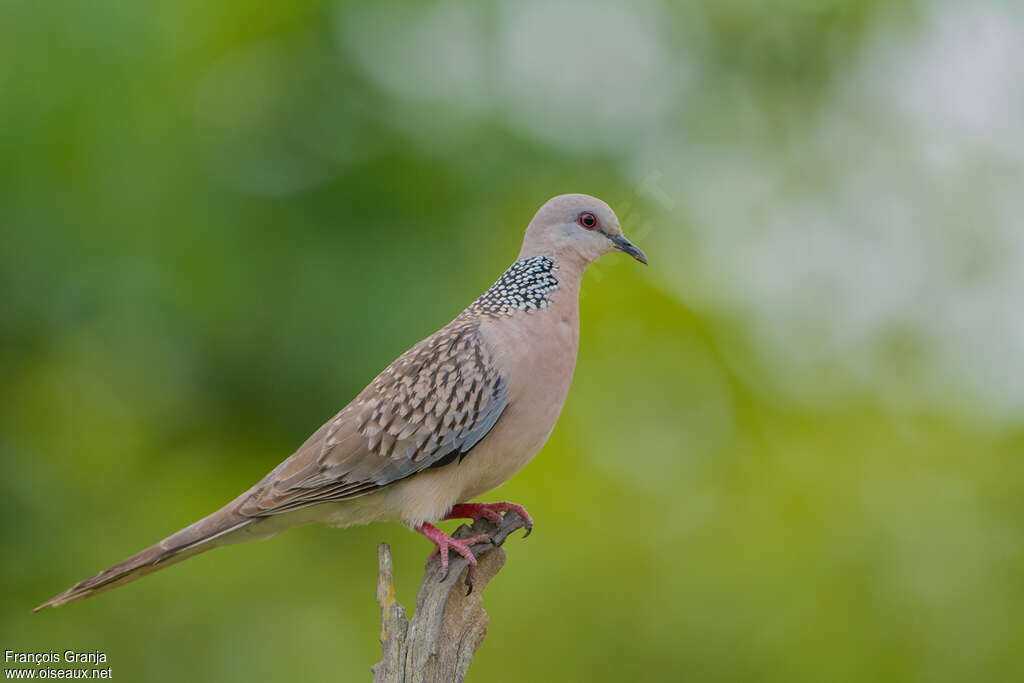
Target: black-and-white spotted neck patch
523,287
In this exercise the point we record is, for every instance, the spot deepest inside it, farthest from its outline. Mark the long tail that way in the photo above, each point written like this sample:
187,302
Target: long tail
204,535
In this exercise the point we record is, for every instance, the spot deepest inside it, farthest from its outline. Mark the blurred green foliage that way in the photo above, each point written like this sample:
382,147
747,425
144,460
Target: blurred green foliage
218,221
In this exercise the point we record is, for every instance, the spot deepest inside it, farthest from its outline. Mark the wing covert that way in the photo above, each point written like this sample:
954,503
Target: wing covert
430,406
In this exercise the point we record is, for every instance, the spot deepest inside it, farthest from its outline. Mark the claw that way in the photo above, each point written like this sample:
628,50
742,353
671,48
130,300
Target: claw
442,542
491,511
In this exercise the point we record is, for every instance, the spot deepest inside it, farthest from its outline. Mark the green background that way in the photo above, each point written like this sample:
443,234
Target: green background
792,447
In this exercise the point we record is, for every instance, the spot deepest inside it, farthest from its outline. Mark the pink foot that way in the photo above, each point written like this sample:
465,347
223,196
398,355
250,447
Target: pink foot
491,511
442,542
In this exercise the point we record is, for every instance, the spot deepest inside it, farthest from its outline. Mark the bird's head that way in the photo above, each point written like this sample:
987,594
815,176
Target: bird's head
577,227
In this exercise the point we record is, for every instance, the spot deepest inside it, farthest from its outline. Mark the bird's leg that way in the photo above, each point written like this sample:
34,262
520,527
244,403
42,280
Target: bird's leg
491,511
443,541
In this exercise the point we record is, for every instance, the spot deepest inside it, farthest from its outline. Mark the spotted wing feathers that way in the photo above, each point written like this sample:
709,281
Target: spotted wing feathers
429,407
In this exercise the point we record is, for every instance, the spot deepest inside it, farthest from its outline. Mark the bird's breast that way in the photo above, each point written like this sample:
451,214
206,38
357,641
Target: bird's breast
539,357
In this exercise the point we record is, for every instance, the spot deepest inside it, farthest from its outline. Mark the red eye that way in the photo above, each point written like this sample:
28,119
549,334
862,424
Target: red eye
588,221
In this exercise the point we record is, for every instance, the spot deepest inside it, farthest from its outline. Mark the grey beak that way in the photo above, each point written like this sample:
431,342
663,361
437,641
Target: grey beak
622,244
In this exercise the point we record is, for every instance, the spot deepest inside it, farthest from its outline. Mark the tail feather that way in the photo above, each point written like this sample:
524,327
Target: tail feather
204,535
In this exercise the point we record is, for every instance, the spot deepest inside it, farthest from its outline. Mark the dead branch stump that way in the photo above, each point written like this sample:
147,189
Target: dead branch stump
439,643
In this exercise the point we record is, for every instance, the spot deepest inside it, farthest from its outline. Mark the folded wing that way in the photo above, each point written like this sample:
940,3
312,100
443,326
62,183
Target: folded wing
427,409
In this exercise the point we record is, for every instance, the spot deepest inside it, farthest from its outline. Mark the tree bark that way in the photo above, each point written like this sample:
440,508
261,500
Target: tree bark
448,627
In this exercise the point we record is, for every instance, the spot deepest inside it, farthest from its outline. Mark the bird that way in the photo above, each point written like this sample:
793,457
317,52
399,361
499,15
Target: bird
455,416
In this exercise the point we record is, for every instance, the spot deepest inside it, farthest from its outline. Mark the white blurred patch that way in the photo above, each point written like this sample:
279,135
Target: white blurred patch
883,254
965,74
570,73
585,74
435,53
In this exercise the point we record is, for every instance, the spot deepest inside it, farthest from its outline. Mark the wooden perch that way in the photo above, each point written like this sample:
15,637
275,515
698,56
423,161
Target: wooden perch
448,627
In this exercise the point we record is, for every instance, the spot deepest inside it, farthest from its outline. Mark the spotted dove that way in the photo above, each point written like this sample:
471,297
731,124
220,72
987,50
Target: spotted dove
453,417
